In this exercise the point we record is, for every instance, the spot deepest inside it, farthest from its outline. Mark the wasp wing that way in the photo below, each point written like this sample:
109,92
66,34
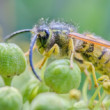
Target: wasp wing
93,40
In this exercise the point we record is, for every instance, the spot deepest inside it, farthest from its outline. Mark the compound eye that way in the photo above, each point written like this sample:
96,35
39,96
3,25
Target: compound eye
47,32
44,32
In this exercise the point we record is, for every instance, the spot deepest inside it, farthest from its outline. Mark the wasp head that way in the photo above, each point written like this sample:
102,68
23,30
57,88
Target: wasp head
40,36
43,34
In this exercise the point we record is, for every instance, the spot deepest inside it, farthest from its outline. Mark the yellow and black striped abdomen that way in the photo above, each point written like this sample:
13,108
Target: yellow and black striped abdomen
99,57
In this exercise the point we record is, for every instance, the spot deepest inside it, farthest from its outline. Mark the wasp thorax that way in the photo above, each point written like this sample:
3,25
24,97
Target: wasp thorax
79,45
83,47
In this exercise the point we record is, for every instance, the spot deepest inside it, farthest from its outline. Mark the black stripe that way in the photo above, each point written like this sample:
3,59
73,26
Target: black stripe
107,61
86,55
91,48
79,60
103,52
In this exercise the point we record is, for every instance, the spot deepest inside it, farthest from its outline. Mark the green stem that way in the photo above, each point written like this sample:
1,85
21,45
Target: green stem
84,90
100,101
94,96
7,80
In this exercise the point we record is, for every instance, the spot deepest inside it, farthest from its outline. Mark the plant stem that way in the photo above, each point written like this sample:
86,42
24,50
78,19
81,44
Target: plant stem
7,80
84,90
100,101
94,96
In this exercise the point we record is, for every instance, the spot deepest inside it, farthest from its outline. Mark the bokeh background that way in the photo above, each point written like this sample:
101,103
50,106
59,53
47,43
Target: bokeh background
87,15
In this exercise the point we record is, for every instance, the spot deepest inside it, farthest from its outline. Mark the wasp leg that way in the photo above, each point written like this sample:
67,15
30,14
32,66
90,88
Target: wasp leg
91,67
27,53
88,77
103,78
54,50
71,52
105,82
80,61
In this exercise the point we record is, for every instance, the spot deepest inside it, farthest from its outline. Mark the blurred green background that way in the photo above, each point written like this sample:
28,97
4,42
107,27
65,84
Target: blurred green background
87,15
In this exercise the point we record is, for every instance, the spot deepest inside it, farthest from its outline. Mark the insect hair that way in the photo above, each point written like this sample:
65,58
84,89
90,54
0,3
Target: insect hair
42,23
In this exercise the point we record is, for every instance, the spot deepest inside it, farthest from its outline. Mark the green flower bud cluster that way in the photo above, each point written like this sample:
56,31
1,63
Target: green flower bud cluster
59,89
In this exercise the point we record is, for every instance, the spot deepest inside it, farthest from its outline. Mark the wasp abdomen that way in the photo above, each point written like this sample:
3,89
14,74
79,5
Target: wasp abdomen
99,56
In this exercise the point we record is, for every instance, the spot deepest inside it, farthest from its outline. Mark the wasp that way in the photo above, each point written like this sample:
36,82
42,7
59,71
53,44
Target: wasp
62,40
